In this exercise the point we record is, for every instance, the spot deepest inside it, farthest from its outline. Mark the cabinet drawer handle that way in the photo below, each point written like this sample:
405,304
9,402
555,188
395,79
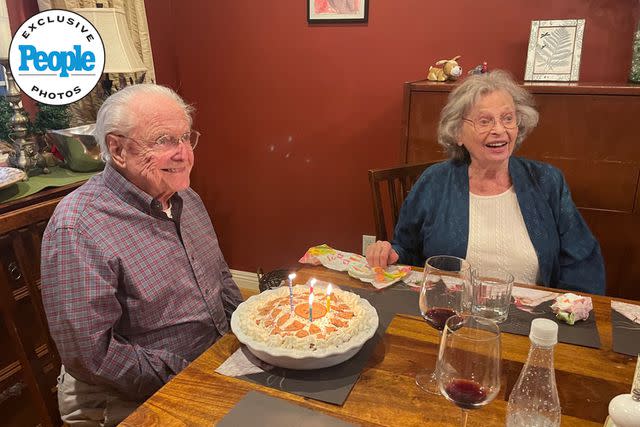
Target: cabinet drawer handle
14,271
13,391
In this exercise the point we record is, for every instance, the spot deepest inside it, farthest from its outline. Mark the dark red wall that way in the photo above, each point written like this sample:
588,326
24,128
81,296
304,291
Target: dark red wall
293,115
19,11
162,29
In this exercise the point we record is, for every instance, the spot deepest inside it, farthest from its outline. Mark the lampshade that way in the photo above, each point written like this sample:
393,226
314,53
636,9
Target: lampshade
5,31
121,55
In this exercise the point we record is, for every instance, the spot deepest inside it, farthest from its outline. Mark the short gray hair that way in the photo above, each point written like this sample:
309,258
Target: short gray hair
465,96
115,115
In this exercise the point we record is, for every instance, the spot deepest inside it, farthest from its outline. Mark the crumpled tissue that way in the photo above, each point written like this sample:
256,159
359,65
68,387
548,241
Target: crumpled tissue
571,308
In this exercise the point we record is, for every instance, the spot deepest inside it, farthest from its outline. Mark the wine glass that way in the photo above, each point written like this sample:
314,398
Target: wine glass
444,293
469,362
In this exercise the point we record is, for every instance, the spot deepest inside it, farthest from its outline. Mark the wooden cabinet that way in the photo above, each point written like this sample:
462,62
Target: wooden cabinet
29,361
591,133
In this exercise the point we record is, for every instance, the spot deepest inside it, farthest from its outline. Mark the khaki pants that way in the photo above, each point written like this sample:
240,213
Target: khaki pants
89,405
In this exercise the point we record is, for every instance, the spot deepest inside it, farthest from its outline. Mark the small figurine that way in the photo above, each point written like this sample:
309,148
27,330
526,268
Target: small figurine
450,70
479,69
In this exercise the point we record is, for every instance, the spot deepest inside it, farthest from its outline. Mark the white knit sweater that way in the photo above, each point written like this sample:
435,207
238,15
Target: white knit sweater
498,237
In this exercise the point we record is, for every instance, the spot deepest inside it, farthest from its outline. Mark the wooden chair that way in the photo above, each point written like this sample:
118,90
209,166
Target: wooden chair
399,181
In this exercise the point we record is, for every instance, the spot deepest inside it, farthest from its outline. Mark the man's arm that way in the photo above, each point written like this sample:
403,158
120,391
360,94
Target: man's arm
79,287
230,294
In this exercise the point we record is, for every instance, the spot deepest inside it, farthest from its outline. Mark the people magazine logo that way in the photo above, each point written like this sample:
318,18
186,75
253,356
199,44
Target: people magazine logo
56,57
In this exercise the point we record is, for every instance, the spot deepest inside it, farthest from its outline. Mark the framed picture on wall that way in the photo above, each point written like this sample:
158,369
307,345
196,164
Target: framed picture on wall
554,50
333,11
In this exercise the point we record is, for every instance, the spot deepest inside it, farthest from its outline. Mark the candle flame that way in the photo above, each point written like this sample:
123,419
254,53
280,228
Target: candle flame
329,289
313,282
292,276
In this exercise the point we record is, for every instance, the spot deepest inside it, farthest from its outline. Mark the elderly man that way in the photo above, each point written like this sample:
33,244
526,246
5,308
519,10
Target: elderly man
133,281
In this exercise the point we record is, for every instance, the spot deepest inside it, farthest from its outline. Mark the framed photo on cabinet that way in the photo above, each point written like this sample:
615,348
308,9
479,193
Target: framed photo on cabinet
337,11
554,51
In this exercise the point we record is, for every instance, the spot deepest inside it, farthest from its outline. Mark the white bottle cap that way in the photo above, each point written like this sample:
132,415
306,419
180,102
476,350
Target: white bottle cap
544,332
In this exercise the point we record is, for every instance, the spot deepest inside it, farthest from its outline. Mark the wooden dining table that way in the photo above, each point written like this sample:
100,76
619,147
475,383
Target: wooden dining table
386,393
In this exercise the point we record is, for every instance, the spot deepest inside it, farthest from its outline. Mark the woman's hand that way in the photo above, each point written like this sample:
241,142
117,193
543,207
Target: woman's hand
381,254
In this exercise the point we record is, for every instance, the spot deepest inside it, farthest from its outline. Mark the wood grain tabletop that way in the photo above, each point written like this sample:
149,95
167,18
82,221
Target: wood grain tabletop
386,394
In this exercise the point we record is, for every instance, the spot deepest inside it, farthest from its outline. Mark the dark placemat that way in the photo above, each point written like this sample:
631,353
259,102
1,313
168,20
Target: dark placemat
625,333
391,301
332,384
258,409
584,333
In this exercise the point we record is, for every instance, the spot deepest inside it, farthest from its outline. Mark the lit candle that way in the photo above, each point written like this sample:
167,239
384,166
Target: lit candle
291,277
311,306
329,288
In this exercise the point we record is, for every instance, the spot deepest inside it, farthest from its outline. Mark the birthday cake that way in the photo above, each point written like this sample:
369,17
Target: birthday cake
280,324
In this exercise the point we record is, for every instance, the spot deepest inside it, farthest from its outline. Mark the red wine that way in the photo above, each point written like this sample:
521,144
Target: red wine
466,394
437,317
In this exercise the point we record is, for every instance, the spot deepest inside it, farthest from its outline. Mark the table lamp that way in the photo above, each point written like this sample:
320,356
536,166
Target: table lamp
121,55
25,152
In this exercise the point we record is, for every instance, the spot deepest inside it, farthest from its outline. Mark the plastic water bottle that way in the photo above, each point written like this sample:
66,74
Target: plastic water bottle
534,400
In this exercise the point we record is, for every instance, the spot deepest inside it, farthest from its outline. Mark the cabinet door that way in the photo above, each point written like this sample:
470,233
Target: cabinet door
25,319
16,403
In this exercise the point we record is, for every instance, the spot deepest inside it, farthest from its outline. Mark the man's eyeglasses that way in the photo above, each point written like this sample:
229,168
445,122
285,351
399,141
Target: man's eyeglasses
169,142
486,124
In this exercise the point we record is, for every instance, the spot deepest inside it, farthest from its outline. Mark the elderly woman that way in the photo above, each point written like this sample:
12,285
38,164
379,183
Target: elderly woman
492,208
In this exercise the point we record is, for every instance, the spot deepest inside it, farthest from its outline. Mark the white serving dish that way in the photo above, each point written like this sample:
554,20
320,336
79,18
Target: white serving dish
10,176
305,359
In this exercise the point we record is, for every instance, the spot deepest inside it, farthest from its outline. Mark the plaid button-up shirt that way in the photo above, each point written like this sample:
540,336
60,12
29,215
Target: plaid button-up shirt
132,296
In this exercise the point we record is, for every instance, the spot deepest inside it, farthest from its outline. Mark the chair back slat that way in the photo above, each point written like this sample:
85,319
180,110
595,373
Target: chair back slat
394,199
387,205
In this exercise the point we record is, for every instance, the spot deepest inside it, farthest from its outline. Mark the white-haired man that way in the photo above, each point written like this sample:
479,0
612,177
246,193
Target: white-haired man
133,281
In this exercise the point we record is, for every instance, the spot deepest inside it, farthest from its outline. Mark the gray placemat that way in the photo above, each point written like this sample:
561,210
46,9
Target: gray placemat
625,334
404,300
396,300
584,333
332,384
258,409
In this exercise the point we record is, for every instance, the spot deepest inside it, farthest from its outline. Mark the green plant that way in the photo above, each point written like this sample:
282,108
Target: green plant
50,117
5,118
47,117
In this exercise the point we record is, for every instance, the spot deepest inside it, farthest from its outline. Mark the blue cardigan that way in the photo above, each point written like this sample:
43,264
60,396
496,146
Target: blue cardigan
434,220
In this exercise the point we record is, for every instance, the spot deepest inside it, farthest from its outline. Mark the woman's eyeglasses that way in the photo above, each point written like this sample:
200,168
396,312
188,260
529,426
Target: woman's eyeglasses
486,124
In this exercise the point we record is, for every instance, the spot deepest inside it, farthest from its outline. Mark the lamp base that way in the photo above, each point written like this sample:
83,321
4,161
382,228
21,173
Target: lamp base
26,154
27,157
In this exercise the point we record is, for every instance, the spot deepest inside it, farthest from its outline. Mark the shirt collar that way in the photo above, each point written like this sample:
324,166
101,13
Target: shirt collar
132,195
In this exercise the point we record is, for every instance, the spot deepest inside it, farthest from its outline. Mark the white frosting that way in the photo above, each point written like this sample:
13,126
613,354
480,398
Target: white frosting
252,323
